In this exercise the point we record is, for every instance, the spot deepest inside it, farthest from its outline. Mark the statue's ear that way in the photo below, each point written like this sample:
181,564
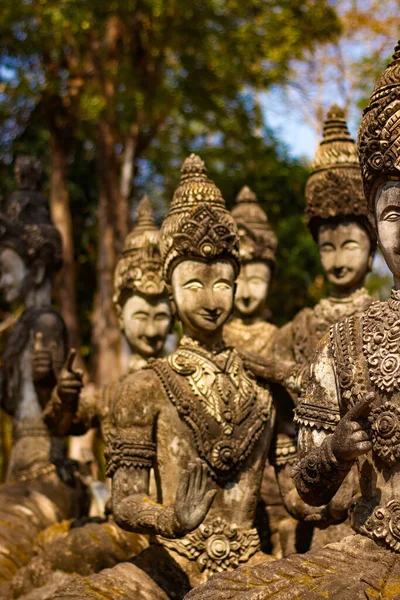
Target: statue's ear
171,302
38,271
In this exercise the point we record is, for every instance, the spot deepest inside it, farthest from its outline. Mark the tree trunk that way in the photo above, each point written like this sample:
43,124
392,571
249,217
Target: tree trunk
61,214
106,333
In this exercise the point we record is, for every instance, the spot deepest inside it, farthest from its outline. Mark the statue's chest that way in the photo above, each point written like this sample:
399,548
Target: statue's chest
224,408
369,361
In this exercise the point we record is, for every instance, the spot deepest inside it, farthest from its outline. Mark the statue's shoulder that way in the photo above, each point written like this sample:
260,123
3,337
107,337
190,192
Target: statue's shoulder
137,397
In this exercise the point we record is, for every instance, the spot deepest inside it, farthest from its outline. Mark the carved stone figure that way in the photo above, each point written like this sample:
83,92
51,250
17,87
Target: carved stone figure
338,220
145,316
200,419
30,254
249,329
350,413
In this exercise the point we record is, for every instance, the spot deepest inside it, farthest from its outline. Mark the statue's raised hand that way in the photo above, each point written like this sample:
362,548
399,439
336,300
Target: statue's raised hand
192,500
352,434
70,382
42,360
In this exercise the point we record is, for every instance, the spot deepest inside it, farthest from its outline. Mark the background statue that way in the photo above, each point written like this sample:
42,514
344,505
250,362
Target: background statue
144,314
199,418
350,412
249,329
338,220
30,255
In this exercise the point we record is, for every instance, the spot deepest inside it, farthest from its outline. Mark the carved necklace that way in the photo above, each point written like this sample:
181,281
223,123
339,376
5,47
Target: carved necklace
221,391
381,347
381,342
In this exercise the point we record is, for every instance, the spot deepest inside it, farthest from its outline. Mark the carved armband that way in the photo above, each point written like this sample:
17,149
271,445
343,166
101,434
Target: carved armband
285,451
320,471
316,417
122,452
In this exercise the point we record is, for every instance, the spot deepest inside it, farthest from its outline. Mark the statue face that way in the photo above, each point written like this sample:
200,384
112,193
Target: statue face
252,288
146,324
387,217
203,295
345,254
13,274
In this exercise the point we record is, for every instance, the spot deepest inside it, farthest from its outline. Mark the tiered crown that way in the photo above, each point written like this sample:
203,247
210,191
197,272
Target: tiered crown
198,225
379,133
26,225
257,240
334,187
139,269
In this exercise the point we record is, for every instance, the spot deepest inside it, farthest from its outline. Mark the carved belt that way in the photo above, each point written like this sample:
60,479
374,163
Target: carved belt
23,430
216,546
383,526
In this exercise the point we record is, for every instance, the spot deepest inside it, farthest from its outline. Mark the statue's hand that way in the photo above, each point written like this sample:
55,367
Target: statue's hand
266,368
192,500
42,360
352,434
70,382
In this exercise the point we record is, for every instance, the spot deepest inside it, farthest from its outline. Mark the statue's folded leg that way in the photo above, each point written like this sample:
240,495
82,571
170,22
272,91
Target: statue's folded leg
354,569
81,550
153,575
122,582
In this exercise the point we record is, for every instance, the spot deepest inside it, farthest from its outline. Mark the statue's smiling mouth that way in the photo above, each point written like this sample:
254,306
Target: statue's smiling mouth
210,315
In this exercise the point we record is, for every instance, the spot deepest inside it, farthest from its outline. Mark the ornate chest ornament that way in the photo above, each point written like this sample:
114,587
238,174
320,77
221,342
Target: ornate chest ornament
381,343
221,391
385,429
383,525
216,546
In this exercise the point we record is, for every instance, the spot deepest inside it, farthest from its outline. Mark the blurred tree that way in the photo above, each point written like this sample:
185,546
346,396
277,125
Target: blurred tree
122,77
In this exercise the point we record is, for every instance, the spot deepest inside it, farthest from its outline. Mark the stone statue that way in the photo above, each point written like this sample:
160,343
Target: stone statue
200,419
350,413
144,313
30,254
249,329
338,220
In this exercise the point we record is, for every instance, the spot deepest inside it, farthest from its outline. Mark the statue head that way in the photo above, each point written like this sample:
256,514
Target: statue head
379,151
336,209
257,249
140,297
199,248
30,246
28,172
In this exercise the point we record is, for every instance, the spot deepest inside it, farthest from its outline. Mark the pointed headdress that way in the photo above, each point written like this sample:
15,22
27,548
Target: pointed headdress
198,225
257,239
25,222
139,268
379,133
334,188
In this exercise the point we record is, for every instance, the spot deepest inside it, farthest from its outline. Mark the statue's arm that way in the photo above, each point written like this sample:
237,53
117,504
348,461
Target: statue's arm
131,453
71,418
319,473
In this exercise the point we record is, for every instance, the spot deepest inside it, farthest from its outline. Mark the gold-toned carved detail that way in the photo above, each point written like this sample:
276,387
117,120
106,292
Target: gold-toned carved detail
216,546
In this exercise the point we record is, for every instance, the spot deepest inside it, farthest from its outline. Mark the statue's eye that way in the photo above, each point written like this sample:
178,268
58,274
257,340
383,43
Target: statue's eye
392,216
193,285
351,245
222,286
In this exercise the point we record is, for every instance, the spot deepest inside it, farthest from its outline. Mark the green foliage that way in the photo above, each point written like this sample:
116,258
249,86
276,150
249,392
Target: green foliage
179,76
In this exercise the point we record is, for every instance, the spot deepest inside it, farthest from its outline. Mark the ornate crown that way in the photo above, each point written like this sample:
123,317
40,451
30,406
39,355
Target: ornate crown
334,187
257,241
198,224
26,225
139,269
379,133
